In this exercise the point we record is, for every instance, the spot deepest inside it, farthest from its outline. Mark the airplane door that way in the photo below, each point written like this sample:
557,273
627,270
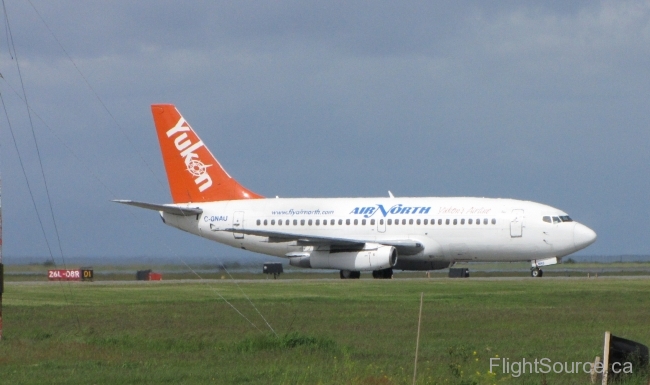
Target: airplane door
517,223
238,223
381,225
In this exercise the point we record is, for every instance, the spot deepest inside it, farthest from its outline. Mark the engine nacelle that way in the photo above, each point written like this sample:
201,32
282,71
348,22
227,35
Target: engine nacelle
300,261
372,257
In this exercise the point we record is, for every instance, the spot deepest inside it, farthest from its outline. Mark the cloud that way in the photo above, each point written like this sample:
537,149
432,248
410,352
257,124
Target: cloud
546,102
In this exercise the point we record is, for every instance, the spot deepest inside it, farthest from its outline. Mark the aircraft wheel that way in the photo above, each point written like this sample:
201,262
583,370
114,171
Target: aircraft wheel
541,273
355,274
536,272
383,274
345,274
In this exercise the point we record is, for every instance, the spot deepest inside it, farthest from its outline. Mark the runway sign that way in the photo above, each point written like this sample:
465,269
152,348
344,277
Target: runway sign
70,274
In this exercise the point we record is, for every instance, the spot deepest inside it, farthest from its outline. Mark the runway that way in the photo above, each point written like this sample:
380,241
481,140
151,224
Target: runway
323,280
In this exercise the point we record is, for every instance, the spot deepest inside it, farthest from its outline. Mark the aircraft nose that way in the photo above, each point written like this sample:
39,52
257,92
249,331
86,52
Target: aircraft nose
583,236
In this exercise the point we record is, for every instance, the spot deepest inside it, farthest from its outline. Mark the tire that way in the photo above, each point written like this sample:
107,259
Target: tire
535,273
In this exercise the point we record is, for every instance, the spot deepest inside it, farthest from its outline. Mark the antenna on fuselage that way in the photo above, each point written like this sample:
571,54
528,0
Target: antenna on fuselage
390,194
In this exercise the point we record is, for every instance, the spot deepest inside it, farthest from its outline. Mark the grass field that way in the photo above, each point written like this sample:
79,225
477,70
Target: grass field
330,331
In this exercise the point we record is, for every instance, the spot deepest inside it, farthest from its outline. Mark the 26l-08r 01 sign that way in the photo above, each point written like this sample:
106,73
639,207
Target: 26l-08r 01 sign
64,275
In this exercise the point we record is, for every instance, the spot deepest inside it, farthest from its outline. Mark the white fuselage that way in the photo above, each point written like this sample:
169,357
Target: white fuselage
449,229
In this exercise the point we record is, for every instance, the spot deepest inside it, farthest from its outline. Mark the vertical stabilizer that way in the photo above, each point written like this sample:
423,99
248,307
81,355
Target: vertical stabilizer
194,174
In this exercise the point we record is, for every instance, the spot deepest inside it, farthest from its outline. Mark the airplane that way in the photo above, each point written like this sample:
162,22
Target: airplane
352,235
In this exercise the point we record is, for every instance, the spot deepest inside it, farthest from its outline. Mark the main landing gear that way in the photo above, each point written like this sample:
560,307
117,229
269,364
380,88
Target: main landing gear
347,274
383,274
379,274
536,272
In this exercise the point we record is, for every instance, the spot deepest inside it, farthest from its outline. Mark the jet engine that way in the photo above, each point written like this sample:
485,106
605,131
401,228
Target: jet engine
372,257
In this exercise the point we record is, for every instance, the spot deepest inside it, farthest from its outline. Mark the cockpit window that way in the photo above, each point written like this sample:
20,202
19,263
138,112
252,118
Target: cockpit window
556,220
566,218
547,219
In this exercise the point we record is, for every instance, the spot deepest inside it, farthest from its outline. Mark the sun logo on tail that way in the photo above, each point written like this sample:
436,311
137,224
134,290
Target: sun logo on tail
197,168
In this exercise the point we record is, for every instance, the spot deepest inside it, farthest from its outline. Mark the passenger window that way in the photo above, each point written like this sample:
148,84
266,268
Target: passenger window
324,222
547,219
410,221
332,222
280,222
295,222
556,220
363,222
356,222
494,221
440,222
469,221
446,221
259,222
455,222
347,221
418,221
403,221
302,222
462,221
372,222
390,221
265,222
426,222
317,222
478,221
485,221
309,223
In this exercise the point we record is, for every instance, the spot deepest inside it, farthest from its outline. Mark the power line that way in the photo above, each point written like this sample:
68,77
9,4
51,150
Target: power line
119,126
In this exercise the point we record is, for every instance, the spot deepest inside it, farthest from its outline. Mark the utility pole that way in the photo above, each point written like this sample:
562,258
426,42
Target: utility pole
2,267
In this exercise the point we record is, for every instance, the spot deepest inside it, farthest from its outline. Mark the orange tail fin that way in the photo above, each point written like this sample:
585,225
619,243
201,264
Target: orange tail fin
193,173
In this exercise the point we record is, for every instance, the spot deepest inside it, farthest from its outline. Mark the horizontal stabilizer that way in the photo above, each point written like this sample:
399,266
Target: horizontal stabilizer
169,209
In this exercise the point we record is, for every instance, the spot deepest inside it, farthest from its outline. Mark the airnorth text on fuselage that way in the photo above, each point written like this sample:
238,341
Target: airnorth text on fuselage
367,212
400,209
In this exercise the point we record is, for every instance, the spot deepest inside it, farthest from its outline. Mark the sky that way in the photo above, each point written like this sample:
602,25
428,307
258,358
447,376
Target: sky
543,101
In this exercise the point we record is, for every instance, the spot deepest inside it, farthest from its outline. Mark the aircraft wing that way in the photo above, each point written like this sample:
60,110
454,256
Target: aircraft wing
170,209
403,246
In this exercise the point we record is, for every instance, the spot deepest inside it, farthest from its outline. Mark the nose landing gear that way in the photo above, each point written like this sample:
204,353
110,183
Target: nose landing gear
535,270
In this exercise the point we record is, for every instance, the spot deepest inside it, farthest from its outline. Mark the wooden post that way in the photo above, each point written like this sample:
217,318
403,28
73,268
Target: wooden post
594,367
417,341
608,337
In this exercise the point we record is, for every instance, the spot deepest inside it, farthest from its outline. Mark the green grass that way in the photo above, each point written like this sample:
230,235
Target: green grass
329,331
